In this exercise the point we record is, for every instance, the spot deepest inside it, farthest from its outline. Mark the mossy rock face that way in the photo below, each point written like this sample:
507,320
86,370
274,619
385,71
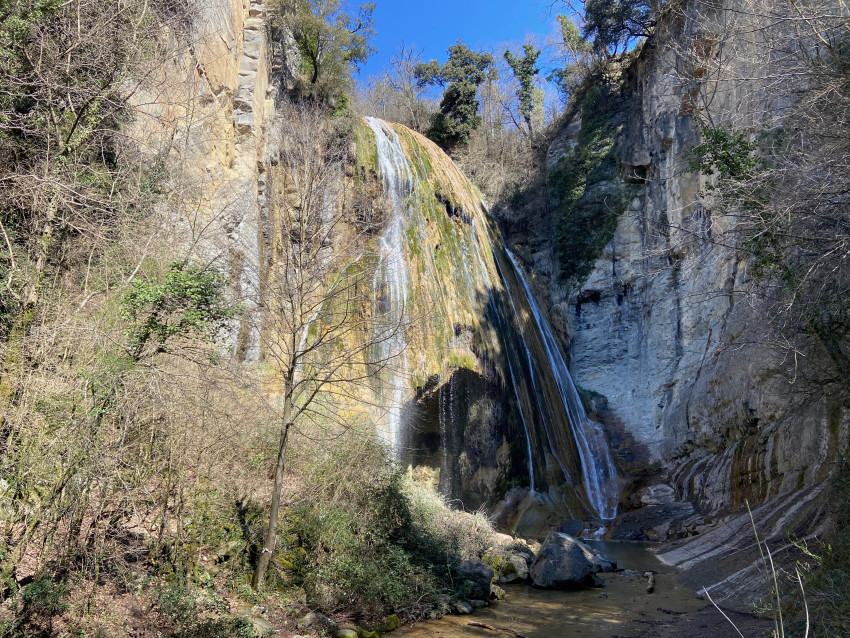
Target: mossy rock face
391,623
589,194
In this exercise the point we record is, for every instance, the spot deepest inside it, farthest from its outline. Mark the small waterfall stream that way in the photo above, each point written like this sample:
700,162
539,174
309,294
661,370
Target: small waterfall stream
390,282
598,470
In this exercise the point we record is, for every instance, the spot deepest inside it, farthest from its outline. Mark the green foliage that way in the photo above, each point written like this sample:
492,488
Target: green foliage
190,301
331,43
461,75
45,596
725,153
525,69
614,25
374,543
176,603
736,162
34,610
458,116
586,183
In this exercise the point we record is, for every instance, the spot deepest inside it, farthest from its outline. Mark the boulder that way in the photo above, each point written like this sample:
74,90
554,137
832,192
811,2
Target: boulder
463,607
319,623
514,568
563,563
478,575
390,623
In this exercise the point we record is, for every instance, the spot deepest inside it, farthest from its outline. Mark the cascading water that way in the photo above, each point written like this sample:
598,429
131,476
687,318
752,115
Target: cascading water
390,283
598,470
439,258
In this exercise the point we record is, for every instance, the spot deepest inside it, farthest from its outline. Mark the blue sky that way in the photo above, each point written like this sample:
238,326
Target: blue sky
434,25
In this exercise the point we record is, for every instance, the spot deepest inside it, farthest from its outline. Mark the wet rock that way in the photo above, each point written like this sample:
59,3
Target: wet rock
562,563
477,604
515,568
652,523
478,575
314,621
462,607
496,592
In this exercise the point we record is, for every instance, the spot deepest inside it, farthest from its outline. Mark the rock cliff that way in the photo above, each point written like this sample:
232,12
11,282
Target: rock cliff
698,401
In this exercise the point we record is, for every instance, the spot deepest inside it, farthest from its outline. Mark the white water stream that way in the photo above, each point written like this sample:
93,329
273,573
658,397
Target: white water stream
390,283
597,463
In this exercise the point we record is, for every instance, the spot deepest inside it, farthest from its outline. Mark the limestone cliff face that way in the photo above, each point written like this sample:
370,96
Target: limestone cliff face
208,118
661,329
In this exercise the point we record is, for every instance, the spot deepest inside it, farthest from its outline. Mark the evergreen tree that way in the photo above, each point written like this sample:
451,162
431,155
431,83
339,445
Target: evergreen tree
461,75
525,69
615,24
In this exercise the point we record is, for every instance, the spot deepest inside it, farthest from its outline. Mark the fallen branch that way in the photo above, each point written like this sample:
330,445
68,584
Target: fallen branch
481,625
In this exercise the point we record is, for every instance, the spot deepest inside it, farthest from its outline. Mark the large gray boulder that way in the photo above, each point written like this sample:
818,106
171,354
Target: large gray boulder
478,575
563,563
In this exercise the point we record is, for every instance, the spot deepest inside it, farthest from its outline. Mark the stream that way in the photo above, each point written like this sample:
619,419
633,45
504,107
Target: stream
620,609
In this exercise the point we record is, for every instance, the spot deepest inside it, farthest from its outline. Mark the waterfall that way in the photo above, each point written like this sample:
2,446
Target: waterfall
597,463
439,257
390,283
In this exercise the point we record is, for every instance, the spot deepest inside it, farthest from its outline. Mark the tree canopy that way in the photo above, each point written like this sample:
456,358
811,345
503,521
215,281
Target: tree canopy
331,42
613,25
464,71
525,69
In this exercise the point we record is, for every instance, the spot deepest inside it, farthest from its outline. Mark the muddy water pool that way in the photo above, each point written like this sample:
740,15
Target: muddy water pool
621,608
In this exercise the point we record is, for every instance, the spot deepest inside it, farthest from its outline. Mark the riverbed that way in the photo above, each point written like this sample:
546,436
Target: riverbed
621,608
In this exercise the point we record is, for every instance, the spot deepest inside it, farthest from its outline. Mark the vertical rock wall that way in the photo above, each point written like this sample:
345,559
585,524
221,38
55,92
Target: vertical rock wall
208,116
661,329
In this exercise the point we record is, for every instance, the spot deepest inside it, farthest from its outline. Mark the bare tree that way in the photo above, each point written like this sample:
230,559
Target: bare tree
768,83
396,96
320,337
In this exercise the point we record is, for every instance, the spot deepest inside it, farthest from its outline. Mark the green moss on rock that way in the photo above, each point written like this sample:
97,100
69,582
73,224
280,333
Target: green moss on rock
587,186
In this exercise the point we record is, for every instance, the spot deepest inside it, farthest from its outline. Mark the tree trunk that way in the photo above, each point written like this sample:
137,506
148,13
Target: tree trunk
271,533
10,369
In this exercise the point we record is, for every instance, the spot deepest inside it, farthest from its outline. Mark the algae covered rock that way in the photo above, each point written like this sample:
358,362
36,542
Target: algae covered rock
391,623
514,568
